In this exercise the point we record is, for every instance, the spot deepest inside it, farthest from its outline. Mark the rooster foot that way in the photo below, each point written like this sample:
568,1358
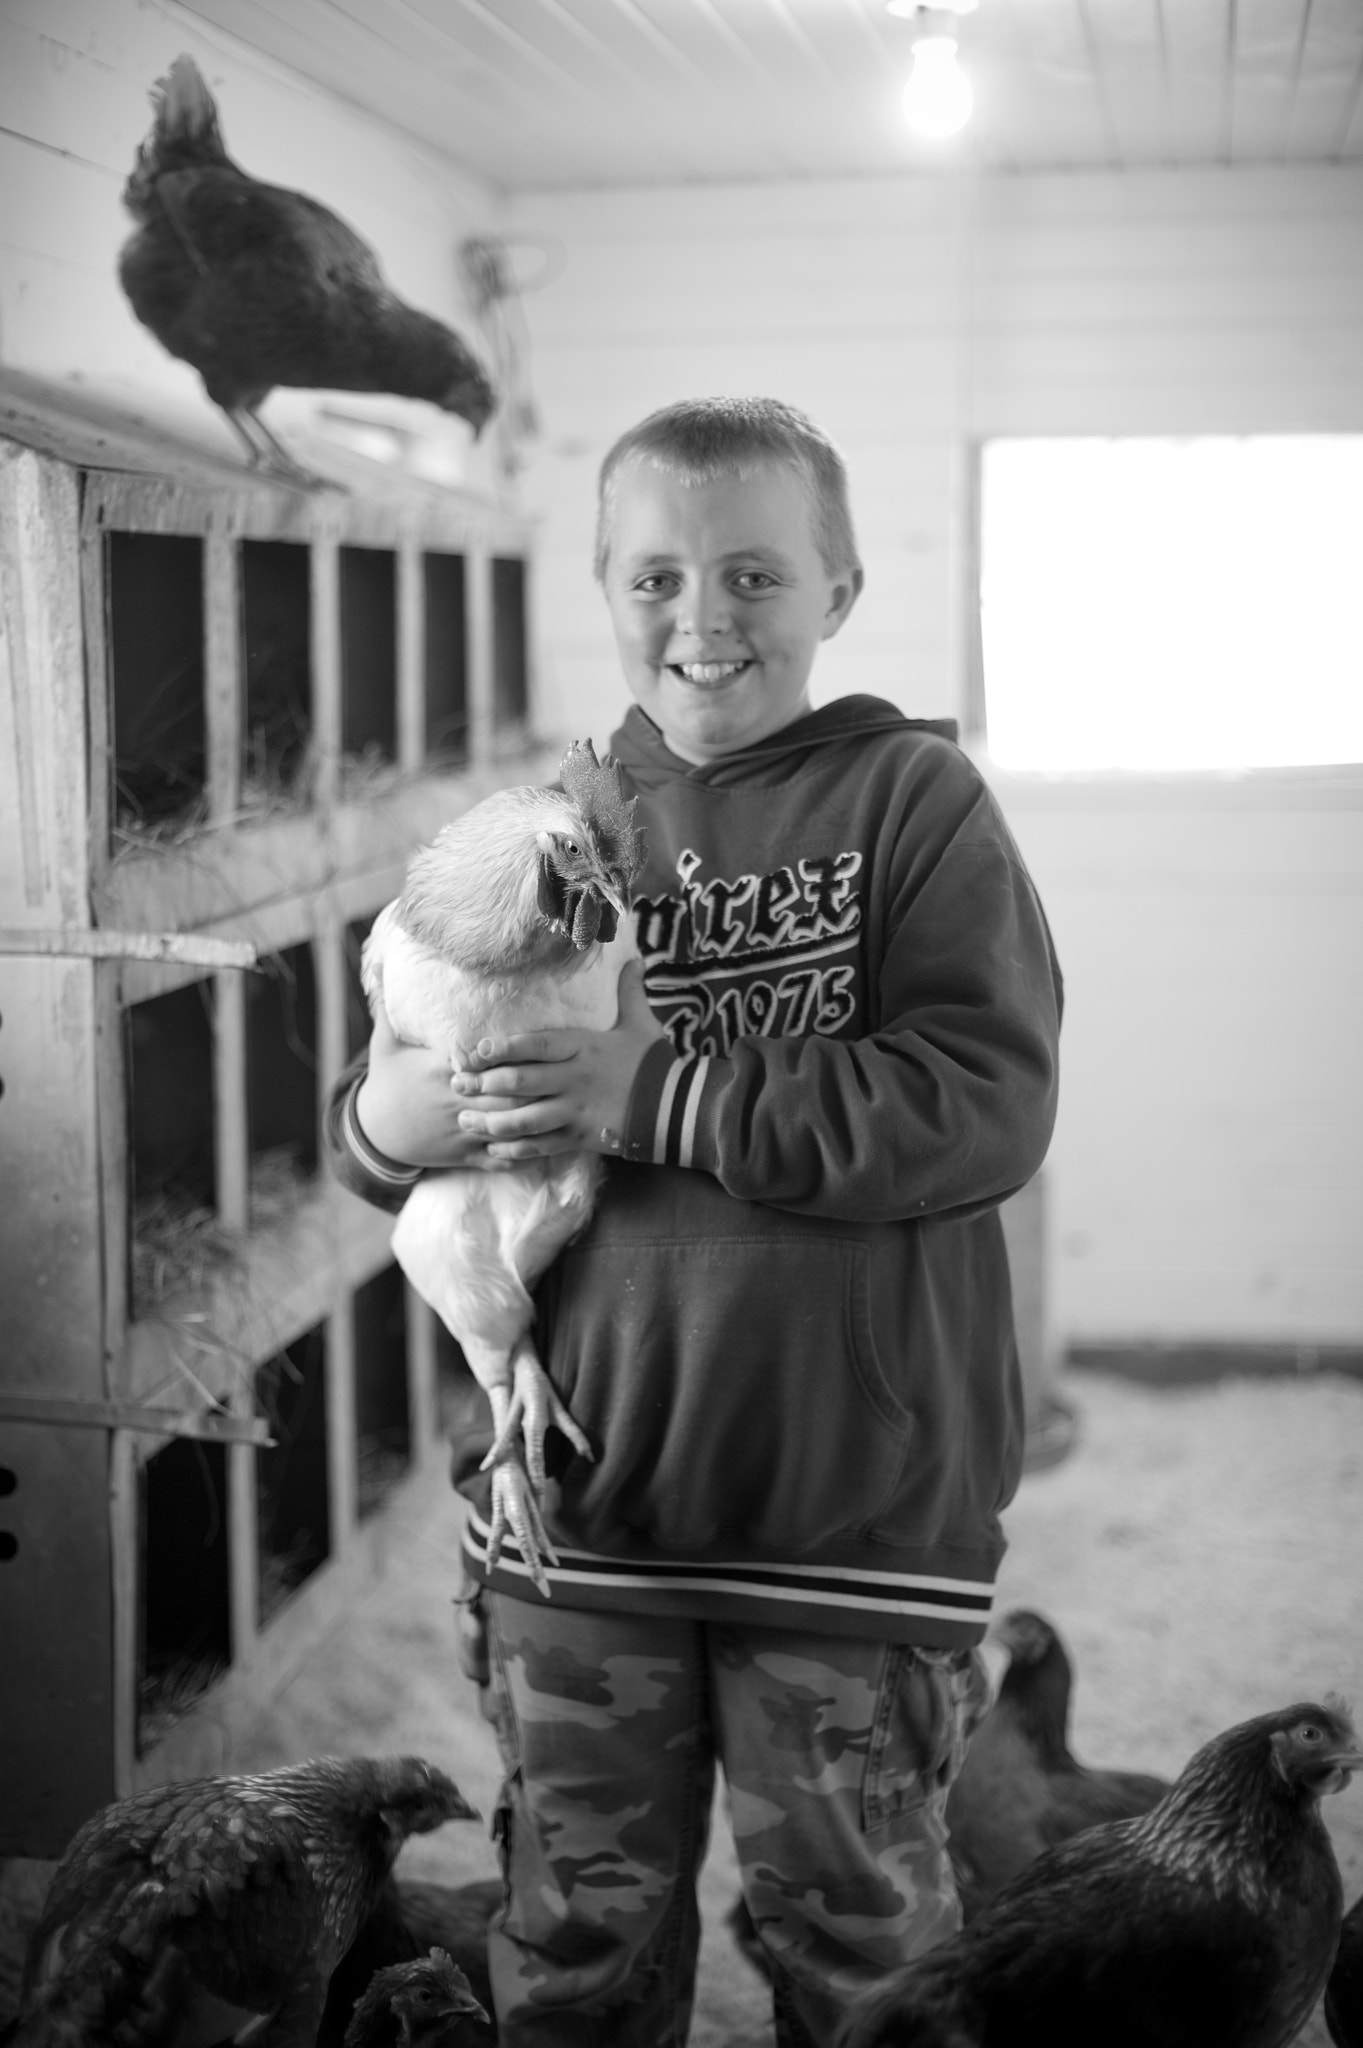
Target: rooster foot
521,1418
530,1408
516,1510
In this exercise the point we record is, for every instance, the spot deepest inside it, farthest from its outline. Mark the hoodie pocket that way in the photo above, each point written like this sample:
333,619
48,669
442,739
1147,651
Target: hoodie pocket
732,1392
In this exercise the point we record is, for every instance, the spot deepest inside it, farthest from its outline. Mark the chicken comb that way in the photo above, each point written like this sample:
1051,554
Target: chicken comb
598,790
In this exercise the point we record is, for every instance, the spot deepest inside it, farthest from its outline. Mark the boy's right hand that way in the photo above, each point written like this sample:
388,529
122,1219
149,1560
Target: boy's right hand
408,1110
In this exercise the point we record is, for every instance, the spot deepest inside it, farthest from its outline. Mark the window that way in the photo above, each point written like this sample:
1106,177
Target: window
1173,604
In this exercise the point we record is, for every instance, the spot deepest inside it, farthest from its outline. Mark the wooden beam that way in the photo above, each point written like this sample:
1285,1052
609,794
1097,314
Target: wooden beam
411,656
232,1150
481,686
188,949
326,666
206,1425
224,678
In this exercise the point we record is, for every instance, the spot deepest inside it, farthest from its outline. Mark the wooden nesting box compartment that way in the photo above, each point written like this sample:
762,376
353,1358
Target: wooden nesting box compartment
228,712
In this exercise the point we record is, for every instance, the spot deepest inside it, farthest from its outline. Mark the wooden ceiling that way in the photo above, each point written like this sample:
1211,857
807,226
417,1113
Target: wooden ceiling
544,94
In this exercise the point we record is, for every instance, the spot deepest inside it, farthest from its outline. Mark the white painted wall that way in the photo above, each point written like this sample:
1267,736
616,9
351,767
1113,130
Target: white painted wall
74,83
1205,1173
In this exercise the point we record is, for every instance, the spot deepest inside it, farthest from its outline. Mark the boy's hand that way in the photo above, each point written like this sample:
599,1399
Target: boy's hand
407,1108
571,1088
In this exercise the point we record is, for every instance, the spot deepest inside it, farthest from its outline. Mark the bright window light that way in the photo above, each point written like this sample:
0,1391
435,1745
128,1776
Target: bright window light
1162,604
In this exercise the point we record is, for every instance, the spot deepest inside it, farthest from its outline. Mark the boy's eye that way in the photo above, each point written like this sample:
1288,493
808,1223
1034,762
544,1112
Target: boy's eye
657,585
753,579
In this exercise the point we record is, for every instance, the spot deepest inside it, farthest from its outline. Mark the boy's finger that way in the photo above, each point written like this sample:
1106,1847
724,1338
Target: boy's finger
545,1078
530,1045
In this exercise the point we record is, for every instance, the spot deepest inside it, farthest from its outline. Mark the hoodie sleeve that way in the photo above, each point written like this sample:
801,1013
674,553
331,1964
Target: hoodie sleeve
356,1163
945,1108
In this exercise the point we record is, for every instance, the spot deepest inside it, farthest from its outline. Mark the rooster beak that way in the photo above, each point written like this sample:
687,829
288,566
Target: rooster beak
614,897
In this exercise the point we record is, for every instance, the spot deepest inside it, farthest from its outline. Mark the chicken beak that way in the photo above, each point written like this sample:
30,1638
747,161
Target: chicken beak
1346,1760
614,897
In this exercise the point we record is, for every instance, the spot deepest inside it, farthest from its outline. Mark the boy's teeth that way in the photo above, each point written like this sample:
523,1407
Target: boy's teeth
709,671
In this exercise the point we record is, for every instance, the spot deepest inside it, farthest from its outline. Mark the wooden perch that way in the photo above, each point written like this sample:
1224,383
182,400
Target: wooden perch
189,949
209,1425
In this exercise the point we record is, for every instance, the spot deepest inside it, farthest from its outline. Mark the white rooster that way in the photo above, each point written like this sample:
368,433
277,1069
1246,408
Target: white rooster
514,919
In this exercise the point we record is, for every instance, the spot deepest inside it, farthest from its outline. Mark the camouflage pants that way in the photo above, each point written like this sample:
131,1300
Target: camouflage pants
837,1757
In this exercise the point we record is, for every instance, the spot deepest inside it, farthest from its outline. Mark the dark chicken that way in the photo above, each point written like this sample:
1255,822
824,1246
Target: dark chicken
425,2003
1344,1992
256,285
516,918
1210,1922
410,1917
256,1884
1021,1788
132,1995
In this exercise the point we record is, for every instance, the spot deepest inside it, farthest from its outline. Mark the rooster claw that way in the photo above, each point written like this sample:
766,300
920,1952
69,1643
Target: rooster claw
515,1510
528,1412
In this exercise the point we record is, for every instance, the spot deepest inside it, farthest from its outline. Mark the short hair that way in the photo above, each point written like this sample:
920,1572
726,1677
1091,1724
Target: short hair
699,439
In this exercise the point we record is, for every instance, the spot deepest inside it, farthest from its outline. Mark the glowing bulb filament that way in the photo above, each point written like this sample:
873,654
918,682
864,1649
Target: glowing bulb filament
937,98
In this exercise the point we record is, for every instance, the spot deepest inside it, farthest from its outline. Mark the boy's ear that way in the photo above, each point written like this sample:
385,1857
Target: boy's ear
846,590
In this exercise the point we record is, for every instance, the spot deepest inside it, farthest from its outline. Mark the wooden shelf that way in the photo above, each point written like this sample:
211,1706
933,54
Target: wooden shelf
163,655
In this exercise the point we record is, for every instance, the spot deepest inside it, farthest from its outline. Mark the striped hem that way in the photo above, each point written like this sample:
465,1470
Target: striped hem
674,1131
388,1172
843,1599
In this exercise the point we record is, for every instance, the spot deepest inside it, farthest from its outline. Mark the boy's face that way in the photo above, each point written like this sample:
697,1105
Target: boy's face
719,599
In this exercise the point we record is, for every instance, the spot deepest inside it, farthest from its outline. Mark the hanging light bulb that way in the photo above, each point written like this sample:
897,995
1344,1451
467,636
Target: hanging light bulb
937,98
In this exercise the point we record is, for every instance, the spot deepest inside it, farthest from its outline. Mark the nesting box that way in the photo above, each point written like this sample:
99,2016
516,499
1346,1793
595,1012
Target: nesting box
228,711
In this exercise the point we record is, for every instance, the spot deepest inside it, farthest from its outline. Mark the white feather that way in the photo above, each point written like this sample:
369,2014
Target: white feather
473,1244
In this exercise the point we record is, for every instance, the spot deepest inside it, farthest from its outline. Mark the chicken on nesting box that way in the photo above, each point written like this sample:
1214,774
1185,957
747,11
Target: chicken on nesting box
184,1914
515,919
256,285
1210,1922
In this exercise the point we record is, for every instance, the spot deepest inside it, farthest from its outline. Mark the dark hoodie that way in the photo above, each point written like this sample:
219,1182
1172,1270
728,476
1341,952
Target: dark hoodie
788,1327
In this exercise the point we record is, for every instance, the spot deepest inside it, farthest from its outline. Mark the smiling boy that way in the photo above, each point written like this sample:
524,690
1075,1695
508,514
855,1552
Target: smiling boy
787,1329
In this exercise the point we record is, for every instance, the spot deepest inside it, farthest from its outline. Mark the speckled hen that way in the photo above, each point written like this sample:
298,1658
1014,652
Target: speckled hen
1210,1922
182,1915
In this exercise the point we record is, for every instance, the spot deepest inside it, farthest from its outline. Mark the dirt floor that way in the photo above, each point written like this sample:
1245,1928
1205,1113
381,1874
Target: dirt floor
1201,1552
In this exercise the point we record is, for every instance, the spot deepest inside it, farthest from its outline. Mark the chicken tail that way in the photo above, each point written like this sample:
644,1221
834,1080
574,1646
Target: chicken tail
185,134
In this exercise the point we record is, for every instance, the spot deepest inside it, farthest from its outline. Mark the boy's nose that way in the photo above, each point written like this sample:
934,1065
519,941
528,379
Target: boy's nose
704,612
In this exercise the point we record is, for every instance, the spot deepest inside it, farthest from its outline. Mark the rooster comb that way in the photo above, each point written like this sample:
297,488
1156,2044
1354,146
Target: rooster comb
598,790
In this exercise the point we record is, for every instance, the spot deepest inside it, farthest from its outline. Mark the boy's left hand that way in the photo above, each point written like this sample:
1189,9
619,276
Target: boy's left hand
573,1086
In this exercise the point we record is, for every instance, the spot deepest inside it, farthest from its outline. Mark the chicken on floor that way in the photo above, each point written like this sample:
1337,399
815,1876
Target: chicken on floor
1344,1992
425,2003
1021,1789
411,1917
1210,1922
515,919
258,286
181,1915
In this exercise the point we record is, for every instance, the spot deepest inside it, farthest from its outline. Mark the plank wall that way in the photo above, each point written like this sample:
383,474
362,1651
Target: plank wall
1205,1181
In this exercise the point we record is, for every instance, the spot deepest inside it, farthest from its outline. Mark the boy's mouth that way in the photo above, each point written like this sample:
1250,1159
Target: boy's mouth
708,671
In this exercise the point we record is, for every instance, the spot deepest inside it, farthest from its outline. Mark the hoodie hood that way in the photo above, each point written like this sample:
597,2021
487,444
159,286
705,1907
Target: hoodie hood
640,747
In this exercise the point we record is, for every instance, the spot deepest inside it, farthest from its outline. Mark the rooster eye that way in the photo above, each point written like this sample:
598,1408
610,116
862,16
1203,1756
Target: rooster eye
570,846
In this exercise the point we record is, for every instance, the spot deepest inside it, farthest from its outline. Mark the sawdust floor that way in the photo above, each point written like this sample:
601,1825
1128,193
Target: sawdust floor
1201,1551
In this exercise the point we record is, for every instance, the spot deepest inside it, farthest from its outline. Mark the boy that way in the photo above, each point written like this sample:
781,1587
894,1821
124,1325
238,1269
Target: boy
787,1329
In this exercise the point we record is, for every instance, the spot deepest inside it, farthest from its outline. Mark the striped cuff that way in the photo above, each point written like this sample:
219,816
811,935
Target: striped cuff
665,1109
389,1173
